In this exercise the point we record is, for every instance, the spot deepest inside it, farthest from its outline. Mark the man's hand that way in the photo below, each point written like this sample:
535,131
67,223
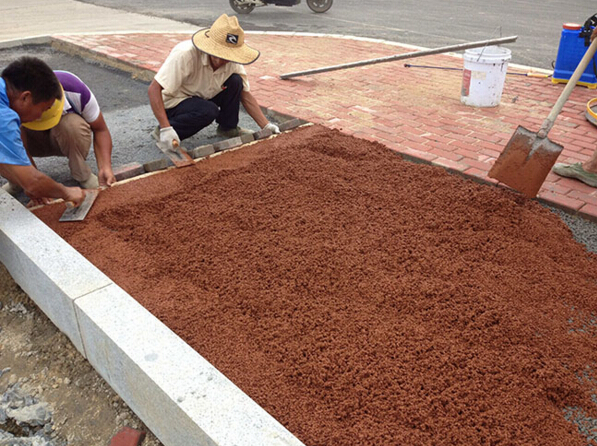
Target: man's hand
106,177
167,135
594,34
38,186
102,145
38,201
75,195
272,127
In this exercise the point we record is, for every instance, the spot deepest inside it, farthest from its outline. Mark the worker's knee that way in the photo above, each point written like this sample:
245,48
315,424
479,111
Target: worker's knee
201,114
210,111
192,115
234,82
72,134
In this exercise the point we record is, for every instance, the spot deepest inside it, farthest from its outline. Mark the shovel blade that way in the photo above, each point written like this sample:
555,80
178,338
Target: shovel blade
525,162
79,213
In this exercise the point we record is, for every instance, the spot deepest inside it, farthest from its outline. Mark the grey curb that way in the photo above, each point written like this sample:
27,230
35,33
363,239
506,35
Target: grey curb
230,143
202,151
261,134
156,165
129,170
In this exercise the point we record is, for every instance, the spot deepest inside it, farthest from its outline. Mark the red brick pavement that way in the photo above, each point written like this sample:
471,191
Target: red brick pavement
414,111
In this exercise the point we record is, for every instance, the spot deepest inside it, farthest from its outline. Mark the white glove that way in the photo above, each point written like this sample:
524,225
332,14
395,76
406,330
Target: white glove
168,135
273,127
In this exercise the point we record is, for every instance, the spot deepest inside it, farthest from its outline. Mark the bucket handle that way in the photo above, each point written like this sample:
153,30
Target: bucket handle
483,48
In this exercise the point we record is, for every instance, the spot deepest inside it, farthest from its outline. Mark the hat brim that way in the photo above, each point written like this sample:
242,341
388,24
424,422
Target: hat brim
243,55
50,118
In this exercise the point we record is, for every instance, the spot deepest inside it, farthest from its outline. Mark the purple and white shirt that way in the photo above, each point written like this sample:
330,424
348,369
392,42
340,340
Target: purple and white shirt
78,97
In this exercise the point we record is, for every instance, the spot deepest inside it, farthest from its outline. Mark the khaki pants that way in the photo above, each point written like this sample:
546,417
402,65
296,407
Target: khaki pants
70,138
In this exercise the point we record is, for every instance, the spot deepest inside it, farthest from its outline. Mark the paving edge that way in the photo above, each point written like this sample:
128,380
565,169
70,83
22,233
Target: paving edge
494,183
136,72
180,396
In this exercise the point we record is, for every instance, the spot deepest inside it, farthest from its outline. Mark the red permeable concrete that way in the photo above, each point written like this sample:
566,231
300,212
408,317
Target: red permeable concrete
359,298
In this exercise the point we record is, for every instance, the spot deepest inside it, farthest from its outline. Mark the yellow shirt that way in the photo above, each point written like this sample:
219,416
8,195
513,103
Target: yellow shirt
187,72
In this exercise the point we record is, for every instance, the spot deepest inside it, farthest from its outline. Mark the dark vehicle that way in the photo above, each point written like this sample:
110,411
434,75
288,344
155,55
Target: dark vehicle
246,6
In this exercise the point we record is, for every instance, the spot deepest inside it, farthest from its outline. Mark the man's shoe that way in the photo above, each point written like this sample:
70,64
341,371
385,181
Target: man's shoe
90,183
12,189
575,171
232,133
155,133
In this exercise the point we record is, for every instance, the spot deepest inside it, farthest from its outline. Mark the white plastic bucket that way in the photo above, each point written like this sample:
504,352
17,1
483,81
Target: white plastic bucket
484,75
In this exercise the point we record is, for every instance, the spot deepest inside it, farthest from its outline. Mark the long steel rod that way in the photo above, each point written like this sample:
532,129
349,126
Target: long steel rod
445,49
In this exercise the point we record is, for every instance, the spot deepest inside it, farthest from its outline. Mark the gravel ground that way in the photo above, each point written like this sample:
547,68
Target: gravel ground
40,368
583,231
125,106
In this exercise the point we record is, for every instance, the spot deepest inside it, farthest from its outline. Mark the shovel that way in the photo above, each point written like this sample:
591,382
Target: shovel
528,157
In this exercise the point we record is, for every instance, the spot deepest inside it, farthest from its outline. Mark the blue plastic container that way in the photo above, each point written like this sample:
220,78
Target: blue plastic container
571,50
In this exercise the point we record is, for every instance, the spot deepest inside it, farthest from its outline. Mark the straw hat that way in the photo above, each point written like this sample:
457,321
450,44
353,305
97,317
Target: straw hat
50,117
226,40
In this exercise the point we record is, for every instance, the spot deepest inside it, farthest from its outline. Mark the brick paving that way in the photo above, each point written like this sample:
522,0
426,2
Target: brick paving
414,111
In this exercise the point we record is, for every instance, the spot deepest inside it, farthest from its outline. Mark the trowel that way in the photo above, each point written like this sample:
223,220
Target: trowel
78,213
178,156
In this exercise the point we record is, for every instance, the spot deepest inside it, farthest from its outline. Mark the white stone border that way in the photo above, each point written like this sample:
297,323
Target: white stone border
181,397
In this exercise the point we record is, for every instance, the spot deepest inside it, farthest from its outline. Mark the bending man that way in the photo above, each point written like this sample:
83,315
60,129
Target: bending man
81,121
28,90
202,80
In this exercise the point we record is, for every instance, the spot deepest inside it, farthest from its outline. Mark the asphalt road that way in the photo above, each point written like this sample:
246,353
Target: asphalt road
427,23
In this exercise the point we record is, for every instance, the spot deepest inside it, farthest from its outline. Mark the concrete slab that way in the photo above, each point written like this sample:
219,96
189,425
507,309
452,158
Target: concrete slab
46,267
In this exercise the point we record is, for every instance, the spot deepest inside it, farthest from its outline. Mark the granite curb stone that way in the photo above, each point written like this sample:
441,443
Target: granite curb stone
248,137
129,170
177,393
47,268
227,144
156,165
202,151
262,134
291,124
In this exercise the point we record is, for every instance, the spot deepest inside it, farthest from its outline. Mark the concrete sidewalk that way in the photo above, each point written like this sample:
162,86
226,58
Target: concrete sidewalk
32,18
414,111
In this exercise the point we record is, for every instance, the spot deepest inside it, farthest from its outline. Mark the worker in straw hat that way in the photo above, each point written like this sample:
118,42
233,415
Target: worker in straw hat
30,92
202,80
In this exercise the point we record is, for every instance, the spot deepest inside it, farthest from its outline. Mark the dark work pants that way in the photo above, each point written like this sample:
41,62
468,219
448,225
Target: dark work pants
195,113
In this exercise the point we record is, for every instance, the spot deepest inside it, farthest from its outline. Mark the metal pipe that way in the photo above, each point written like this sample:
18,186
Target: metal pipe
529,74
445,49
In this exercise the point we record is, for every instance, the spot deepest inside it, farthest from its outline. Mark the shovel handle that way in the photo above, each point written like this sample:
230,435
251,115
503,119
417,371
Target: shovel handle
557,108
